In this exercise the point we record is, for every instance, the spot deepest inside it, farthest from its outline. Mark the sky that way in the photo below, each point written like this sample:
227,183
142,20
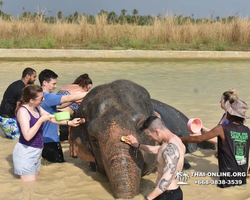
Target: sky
199,8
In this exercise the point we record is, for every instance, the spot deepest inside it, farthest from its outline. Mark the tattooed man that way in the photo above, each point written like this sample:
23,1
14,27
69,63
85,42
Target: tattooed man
170,158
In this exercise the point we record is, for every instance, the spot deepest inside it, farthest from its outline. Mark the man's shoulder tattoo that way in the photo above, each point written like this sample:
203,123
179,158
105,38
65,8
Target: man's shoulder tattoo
171,155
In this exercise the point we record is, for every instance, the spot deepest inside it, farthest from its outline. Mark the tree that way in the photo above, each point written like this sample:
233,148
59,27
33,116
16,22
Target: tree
27,14
123,12
135,12
1,4
103,12
76,15
59,15
178,175
70,18
112,17
91,19
160,17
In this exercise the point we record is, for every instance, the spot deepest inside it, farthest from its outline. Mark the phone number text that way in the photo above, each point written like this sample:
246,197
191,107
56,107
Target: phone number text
218,182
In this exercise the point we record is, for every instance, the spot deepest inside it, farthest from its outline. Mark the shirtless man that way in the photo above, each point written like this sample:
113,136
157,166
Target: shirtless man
170,158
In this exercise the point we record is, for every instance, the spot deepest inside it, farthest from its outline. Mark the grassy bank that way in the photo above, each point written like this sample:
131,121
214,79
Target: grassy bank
163,34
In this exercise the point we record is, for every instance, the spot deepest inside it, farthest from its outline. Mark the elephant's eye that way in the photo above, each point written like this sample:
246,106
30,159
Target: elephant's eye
94,140
139,126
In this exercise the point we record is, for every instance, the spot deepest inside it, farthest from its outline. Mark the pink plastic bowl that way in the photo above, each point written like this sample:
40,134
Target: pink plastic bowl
194,125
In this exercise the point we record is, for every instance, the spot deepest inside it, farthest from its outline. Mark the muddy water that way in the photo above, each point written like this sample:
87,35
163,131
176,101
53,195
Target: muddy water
193,87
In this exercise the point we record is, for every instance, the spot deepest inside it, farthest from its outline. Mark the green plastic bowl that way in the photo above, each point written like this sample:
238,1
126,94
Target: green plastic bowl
60,116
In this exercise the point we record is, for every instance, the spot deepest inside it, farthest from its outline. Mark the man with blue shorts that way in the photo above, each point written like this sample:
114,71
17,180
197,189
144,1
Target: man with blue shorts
11,96
52,150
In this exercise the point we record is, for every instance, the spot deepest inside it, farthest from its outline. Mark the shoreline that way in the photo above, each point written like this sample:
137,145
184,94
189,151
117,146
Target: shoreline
68,54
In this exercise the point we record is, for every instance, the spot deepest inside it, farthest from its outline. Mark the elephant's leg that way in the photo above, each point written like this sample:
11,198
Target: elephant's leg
79,148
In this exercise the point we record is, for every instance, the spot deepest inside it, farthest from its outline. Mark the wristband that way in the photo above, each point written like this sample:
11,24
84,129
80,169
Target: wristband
67,122
146,198
139,145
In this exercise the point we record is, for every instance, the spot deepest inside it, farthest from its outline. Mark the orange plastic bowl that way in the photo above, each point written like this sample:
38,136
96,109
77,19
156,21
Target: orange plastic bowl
194,125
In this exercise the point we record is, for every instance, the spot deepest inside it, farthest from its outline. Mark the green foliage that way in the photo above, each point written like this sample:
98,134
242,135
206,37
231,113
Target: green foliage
112,17
48,43
59,15
158,31
138,44
94,47
7,43
220,47
30,43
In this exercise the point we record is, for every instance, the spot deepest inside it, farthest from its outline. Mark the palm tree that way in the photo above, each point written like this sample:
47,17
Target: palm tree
112,17
123,11
135,12
1,4
103,12
178,175
76,15
59,15
185,176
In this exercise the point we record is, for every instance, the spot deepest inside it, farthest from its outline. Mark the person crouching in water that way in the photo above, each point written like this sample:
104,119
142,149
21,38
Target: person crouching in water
30,119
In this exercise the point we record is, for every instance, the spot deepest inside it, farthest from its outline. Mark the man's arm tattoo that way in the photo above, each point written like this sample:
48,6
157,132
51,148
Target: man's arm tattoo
170,155
164,184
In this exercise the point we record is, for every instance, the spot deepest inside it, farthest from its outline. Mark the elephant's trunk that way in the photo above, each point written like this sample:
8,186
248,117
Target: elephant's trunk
124,171
124,176
123,164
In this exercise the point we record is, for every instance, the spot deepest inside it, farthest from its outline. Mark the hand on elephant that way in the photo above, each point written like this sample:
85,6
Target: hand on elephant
131,140
76,122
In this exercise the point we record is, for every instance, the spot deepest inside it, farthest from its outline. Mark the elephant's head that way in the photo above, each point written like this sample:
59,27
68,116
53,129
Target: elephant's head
111,111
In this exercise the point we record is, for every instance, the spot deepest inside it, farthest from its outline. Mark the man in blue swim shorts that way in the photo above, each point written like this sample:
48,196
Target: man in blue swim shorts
10,99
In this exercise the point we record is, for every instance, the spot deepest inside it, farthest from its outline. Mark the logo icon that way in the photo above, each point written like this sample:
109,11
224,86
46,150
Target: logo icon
182,177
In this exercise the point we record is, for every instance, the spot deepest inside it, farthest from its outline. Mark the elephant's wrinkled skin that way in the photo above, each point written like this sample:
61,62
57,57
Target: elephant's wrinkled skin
176,122
111,111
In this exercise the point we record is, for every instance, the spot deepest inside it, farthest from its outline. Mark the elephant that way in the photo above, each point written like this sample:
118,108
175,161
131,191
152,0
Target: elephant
113,110
170,116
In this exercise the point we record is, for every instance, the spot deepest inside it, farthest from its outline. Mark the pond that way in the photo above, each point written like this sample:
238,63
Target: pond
193,87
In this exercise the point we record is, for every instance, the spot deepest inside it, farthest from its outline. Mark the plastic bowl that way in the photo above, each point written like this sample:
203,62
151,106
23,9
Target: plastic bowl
194,125
60,116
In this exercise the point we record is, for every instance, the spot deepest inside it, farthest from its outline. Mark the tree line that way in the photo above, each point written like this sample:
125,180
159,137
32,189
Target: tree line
111,17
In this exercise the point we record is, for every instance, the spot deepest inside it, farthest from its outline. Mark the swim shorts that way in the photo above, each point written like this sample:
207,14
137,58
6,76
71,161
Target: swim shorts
9,127
26,159
171,195
53,152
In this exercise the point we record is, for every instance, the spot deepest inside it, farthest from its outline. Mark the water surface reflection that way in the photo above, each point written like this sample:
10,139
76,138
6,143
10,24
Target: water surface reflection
193,87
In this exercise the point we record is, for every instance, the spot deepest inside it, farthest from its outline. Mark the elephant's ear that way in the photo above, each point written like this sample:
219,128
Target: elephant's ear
79,144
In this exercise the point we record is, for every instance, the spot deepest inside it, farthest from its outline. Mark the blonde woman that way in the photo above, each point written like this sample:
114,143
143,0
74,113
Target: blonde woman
230,95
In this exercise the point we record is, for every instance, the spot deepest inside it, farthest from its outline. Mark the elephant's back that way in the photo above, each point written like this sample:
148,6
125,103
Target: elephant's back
175,121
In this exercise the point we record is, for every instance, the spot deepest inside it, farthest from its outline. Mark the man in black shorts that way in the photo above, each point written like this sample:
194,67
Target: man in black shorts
170,158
